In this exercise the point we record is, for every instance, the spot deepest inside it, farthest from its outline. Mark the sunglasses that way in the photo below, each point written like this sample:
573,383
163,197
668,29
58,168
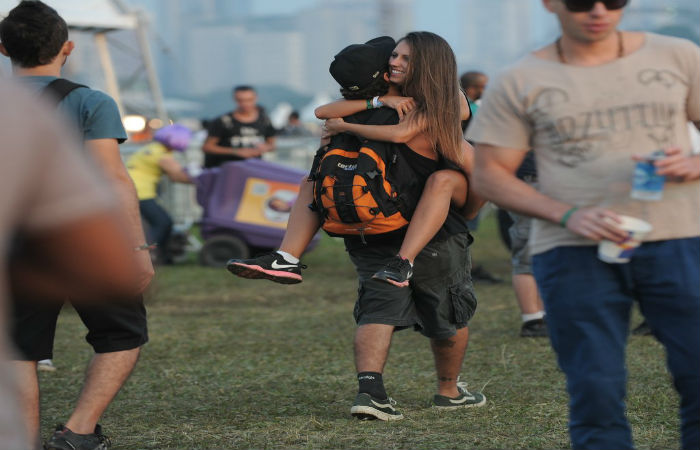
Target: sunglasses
587,5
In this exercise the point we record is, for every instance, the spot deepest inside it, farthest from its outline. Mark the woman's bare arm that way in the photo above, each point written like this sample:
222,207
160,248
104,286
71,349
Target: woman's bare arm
402,132
340,108
343,108
464,111
474,201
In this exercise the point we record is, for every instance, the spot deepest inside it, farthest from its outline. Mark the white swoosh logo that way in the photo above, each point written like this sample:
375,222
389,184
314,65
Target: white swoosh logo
379,405
282,266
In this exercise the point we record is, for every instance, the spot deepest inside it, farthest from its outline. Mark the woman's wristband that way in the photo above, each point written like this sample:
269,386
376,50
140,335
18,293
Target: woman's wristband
567,215
374,102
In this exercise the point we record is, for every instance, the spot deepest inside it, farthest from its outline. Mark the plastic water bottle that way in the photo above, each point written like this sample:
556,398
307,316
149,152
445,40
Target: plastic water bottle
646,183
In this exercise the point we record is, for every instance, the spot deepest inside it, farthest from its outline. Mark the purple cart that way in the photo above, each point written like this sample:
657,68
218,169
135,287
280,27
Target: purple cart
246,206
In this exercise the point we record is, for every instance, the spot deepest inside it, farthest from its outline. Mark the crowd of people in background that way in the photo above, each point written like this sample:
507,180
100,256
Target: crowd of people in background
554,139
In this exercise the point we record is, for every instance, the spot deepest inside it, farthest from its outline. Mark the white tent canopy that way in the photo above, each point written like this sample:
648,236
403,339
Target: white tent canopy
103,15
99,17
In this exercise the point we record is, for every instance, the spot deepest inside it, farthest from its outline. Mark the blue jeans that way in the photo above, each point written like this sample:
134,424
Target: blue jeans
588,305
160,225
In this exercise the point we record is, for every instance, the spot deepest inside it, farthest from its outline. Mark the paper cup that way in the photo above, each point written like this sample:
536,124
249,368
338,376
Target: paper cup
621,252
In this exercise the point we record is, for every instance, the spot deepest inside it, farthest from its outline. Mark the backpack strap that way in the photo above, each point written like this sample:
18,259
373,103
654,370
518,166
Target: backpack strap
58,89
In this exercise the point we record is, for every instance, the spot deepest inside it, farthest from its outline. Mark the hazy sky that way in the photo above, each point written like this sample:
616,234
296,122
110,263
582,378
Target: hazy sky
280,6
442,20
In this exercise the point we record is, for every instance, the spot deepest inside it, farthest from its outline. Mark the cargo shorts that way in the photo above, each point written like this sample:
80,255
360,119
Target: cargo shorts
519,232
439,299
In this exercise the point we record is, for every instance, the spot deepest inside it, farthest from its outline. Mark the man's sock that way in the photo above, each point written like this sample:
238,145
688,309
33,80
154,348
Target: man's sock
287,257
533,316
371,383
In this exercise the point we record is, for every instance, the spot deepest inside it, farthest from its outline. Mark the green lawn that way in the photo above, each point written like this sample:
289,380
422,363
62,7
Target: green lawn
236,363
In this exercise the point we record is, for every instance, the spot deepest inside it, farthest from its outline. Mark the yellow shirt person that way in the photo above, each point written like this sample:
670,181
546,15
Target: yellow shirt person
146,167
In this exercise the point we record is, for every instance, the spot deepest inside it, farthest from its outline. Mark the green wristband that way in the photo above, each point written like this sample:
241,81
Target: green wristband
369,104
566,216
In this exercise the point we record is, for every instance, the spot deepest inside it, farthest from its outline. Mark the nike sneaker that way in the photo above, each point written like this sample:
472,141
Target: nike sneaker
397,272
465,399
367,407
270,266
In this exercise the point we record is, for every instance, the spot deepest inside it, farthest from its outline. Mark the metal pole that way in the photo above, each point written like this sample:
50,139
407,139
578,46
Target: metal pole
153,81
110,76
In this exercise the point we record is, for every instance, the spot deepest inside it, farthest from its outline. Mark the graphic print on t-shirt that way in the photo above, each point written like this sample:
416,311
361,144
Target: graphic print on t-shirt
247,137
580,134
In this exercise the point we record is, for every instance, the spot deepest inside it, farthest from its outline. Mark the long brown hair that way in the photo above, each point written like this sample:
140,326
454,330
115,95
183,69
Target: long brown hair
431,79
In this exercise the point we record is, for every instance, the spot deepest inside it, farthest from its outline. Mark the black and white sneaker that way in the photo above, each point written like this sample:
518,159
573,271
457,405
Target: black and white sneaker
270,266
397,272
367,407
534,328
65,439
465,399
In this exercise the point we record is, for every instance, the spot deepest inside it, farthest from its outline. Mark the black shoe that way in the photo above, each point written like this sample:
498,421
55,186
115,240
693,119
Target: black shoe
481,274
270,266
397,272
534,328
367,407
465,399
643,329
65,439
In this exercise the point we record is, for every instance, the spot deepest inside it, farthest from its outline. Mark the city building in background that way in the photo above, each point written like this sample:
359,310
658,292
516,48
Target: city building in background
283,47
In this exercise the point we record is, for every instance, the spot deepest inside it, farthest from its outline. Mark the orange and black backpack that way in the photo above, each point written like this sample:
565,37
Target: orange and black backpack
363,187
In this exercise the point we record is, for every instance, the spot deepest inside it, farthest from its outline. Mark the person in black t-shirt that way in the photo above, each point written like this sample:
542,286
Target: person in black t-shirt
243,133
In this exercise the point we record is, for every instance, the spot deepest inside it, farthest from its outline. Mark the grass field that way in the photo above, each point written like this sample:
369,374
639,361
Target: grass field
236,363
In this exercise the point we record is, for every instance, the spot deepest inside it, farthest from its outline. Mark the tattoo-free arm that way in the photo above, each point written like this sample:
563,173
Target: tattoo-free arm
464,111
340,108
495,179
70,260
343,108
173,169
106,153
402,132
474,200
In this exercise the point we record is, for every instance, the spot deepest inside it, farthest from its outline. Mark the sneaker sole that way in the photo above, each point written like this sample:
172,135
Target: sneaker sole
257,273
390,281
534,335
369,413
469,405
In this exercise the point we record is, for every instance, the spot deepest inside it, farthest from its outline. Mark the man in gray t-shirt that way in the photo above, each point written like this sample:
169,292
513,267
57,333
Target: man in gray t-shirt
590,105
